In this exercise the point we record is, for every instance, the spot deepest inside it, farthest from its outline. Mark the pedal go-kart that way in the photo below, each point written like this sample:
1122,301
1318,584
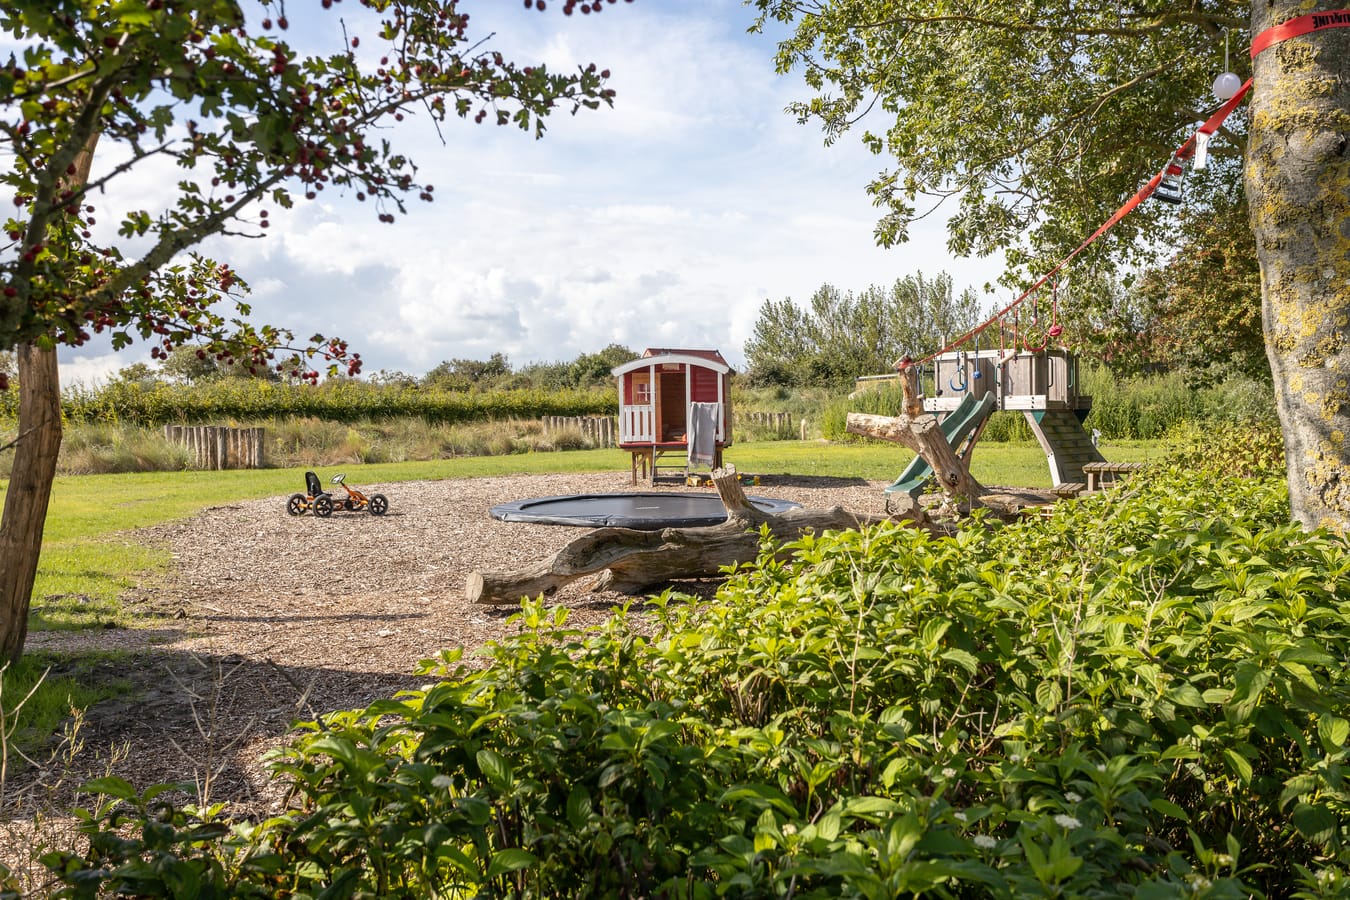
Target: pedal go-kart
323,503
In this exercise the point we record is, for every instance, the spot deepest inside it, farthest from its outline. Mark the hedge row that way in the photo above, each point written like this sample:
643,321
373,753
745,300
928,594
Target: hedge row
246,400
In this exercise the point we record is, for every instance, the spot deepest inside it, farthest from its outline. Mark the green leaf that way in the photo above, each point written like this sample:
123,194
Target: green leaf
1049,694
1185,694
578,806
1315,822
964,659
760,794
1168,808
1333,732
111,786
1239,765
510,860
494,768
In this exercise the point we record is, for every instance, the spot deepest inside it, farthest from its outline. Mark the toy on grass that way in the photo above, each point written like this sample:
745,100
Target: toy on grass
323,503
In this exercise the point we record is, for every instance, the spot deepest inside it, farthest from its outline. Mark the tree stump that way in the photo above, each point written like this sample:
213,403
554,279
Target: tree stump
630,561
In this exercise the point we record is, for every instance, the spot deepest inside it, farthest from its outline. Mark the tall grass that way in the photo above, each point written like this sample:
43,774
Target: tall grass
103,448
1138,408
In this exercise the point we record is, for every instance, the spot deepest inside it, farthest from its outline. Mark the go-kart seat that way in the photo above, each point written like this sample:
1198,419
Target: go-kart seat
313,486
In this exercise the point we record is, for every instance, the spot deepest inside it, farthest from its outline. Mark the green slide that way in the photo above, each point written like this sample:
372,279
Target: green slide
955,428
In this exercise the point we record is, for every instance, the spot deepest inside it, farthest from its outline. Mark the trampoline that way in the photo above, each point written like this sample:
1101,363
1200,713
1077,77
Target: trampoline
645,511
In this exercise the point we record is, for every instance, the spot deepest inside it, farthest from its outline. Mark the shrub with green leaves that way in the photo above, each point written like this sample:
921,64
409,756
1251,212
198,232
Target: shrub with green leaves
1140,695
1226,448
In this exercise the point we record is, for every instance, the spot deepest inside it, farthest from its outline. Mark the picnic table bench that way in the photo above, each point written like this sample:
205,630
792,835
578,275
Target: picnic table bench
1099,473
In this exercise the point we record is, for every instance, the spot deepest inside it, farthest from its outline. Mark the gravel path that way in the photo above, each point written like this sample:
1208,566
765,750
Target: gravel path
267,618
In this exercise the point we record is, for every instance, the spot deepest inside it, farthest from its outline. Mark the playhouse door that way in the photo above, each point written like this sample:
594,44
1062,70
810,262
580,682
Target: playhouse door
671,410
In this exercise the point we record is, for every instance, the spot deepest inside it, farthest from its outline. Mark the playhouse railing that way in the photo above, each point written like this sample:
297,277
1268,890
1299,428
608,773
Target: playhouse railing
637,423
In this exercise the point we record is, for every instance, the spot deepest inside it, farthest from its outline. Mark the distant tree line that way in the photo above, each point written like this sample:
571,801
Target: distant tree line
1196,312
839,336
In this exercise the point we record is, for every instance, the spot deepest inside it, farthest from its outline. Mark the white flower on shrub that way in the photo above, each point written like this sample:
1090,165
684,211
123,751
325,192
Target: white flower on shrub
1072,797
985,842
1064,821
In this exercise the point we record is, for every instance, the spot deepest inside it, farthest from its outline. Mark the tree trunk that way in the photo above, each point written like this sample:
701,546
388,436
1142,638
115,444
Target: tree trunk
629,561
30,487
1298,187
30,481
924,437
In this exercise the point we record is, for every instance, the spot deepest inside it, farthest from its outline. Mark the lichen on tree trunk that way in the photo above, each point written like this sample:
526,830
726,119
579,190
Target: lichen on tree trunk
1298,187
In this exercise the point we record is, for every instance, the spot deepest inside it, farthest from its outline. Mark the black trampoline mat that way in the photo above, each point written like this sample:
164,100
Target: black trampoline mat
647,511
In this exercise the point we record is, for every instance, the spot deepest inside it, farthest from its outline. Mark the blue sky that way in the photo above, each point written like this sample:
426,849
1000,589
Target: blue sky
664,221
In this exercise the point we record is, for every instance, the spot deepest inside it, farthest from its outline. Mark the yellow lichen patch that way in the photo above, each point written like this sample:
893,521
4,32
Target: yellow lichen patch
1336,438
1328,482
1331,407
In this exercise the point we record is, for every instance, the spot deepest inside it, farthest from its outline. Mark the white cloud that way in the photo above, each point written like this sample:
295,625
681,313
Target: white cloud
667,220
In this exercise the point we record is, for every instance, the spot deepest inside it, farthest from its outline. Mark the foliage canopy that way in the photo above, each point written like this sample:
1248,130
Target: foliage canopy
1037,120
215,90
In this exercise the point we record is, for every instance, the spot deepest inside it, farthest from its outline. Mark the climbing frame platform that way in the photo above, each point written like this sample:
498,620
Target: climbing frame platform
1043,385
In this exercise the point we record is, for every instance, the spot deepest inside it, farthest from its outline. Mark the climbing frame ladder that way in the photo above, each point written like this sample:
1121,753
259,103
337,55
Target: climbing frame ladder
1066,444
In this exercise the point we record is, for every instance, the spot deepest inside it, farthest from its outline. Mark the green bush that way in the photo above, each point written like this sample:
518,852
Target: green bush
1226,448
1147,407
1139,696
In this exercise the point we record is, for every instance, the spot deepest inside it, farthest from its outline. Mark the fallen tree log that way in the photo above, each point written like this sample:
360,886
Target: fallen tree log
922,435
629,560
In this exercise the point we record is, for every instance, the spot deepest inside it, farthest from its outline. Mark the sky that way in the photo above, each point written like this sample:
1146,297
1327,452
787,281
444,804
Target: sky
665,221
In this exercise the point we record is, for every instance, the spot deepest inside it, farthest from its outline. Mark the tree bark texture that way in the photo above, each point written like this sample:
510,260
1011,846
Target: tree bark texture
630,561
1298,187
30,482
30,487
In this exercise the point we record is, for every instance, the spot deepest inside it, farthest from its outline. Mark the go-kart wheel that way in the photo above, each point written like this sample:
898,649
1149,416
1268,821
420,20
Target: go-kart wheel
323,507
379,505
296,505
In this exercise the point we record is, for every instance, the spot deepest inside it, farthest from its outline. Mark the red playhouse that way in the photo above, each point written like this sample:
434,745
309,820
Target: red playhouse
677,402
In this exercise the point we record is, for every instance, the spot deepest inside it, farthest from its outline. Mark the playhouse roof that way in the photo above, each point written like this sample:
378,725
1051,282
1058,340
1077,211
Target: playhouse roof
708,359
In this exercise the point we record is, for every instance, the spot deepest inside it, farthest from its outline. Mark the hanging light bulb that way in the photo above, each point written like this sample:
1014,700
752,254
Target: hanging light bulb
1226,85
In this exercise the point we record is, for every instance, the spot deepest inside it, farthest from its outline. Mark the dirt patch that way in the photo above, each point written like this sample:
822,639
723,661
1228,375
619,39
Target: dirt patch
269,618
